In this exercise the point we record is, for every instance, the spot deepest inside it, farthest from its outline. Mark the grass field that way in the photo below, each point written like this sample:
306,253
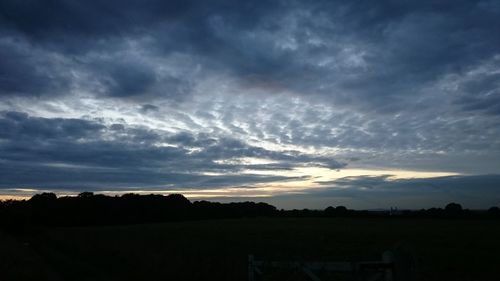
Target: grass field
218,249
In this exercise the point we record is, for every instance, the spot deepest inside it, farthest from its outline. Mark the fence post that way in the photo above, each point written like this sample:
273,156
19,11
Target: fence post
388,257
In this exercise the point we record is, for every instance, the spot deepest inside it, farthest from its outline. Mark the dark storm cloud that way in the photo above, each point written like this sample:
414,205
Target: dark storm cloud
76,153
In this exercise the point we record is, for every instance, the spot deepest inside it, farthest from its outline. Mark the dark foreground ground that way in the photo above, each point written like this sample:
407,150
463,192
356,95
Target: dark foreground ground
218,249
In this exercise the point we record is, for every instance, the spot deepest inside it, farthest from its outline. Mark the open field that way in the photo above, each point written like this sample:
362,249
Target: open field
218,249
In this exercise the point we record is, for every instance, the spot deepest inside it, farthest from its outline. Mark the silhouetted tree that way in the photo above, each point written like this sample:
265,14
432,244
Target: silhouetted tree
494,211
44,198
330,211
341,210
453,209
94,209
43,208
336,211
86,194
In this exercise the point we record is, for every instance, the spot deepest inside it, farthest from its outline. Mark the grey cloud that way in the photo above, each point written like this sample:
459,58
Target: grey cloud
357,54
477,191
89,19
148,108
447,184
271,167
124,80
75,178
189,140
26,71
392,83
489,103
480,92
429,139
19,126
46,152
117,127
474,192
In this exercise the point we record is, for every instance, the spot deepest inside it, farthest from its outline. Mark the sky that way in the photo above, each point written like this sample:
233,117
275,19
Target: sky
301,104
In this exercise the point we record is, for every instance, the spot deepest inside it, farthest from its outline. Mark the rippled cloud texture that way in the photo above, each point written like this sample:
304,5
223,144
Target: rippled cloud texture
280,100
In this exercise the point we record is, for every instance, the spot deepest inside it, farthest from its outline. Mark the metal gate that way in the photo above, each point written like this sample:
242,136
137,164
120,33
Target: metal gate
380,270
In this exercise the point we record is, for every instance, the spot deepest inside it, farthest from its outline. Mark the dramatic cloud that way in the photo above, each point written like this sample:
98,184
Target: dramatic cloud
198,94
74,153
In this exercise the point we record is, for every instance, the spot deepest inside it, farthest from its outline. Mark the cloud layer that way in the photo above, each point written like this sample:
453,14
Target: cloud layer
197,94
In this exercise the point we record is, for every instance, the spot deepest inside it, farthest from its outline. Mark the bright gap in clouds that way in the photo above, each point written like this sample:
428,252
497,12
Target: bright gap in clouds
314,178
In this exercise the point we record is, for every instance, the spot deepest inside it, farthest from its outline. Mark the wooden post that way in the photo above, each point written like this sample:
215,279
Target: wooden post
388,257
251,271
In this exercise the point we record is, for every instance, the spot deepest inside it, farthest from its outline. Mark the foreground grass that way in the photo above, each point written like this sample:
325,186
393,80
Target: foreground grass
218,249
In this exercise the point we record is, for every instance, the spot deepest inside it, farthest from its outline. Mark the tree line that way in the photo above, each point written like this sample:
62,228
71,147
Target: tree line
87,208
